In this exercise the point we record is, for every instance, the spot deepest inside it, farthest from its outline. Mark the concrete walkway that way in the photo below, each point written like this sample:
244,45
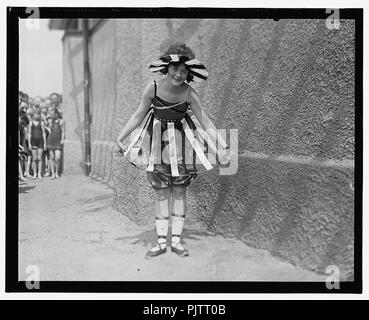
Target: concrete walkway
69,229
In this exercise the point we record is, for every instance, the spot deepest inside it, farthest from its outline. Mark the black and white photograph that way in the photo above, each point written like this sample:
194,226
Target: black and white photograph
208,148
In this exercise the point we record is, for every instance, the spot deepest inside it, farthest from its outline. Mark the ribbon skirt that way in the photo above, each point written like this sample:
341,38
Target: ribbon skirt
180,147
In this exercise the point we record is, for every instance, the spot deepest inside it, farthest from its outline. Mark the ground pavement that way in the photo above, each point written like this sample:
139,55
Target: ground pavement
68,228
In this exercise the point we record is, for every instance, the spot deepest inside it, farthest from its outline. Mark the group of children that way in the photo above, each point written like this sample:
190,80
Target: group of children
41,137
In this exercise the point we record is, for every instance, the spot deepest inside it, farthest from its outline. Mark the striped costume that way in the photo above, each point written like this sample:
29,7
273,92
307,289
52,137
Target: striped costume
170,140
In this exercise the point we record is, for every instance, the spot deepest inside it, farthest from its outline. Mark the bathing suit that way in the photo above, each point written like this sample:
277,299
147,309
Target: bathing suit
37,141
22,136
54,138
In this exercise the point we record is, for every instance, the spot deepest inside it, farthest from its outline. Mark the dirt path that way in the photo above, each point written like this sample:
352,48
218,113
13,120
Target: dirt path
68,228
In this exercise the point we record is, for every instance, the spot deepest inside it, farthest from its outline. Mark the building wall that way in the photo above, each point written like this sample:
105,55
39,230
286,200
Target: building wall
103,98
73,104
288,87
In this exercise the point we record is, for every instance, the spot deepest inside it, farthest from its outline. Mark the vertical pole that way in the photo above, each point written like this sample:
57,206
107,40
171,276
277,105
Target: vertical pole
86,91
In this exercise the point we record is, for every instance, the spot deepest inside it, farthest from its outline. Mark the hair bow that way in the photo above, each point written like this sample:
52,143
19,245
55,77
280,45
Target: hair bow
196,67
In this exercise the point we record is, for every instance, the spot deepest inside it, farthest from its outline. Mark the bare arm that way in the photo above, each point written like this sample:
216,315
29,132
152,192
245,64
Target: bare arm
62,124
47,125
138,115
204,120
29,135
43,133
25,129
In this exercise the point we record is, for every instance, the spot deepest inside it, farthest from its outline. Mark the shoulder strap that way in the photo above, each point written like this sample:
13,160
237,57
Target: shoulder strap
155,88
188,90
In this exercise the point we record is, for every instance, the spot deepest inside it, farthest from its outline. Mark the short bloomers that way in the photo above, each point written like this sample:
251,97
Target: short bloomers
161,179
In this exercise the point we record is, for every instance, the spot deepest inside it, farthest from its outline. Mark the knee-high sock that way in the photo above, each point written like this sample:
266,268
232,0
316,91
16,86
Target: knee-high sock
161,227
177,227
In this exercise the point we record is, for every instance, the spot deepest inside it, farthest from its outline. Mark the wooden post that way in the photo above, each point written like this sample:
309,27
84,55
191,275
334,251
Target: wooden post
86,91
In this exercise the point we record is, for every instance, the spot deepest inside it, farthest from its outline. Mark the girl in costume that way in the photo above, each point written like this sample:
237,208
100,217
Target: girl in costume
173,140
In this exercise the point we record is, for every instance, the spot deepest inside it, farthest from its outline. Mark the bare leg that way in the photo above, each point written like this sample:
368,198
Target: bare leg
28,165
39,159
48,165
57,163
52,163
20,171
44,162
34,160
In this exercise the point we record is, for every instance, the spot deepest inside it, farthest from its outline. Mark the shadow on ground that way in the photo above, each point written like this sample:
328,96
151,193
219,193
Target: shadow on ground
148,237
25,188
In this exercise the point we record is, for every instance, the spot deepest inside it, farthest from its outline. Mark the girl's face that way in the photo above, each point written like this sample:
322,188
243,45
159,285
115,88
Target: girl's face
30,112
54,114
177,74
54,99
36,117
37,101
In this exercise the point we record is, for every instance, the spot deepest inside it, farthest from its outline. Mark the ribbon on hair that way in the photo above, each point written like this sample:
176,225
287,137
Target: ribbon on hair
197,68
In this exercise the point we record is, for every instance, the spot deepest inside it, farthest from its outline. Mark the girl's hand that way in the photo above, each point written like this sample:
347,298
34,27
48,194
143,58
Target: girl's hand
120,148
45,147
29,146
62,142
120,144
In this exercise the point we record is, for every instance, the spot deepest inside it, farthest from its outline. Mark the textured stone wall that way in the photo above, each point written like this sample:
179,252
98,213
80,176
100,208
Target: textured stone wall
288,87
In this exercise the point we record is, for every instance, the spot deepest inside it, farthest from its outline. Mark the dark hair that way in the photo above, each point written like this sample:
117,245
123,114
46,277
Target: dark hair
54,94
181,49
24,120
22,111
25,97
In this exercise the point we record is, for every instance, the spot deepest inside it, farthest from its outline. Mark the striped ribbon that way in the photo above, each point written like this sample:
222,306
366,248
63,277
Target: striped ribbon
140,132
172,149
195,145
203,133
155,152
197,68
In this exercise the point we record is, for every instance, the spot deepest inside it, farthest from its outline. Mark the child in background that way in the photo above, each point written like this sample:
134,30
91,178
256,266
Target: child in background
37,143
45,155
29,116
23,147
55,141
